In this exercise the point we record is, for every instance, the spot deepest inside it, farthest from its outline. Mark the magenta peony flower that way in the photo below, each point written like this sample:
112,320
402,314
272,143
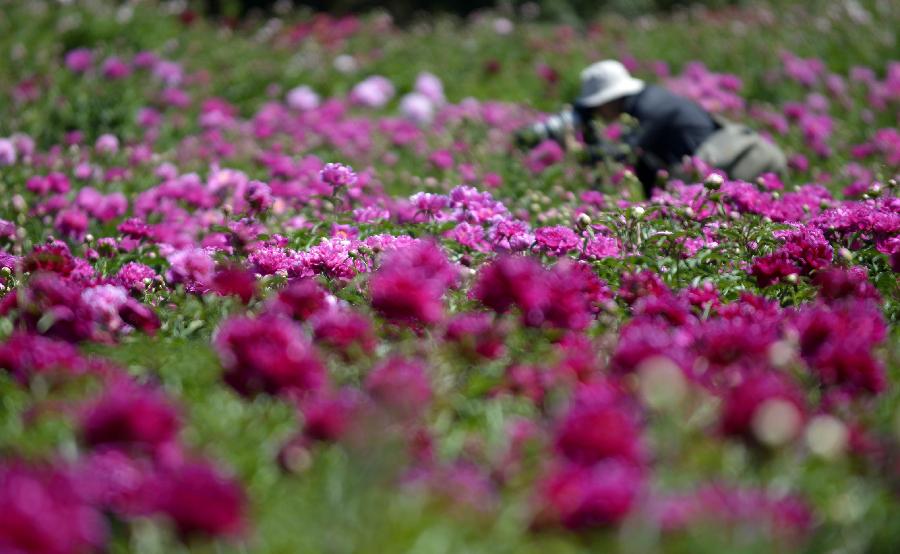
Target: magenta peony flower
71,223
557,241
44,514
476,333
139,316
837,342
268,355
581,498
441,159
201,501
134,276
329,417
345,330
409,286
130,416
24,355
301,299
337,176
400,385
79,60
511,281
49,298
742,403
544,155
114,68
54,257
599,429
192,267
836,283
234,281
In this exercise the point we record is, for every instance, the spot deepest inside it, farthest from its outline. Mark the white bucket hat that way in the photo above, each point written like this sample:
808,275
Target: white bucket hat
606,81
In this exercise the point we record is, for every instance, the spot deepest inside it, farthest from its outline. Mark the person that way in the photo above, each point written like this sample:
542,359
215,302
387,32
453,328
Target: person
668,128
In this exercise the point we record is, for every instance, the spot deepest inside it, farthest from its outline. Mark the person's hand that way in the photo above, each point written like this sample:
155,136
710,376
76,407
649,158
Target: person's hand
525,138
572,144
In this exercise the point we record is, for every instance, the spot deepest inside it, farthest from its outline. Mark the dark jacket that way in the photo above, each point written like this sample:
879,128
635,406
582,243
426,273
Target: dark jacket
669,128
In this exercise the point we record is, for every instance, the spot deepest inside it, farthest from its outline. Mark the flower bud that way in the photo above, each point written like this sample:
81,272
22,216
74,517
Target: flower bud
584,221
826,436
713,181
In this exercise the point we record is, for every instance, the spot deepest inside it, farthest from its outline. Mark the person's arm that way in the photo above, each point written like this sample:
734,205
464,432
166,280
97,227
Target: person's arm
649,132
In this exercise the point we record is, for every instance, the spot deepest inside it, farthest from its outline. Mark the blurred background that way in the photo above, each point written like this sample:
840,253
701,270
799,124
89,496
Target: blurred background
407,10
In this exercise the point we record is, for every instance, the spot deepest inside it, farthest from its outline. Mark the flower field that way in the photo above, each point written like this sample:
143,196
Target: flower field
288,285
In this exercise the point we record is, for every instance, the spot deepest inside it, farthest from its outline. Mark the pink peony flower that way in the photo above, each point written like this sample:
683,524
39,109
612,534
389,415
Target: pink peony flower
303,98
373,92
544,155
557,241
79,60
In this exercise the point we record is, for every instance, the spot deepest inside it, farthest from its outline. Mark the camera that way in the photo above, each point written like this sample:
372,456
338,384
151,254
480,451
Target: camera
554,127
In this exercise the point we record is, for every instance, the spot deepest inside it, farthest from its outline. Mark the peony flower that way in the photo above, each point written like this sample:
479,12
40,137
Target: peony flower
337,176
400,385
79,60
418,108
582,498
201,501
745,402
7,152
303,98
431,87
373,92
43,513
344,330
268,355
25,355
594,431
130,416
409,286
557,241
544,155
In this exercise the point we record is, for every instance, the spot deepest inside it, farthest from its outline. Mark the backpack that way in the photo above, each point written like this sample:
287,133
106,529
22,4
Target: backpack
741,152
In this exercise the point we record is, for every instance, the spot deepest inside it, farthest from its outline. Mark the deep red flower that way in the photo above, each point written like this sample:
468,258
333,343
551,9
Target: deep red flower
743,401
139,316
234,281
409,286
268,354
54,257
44,514
344,329
201,501
128,415
301,299
581,498
512,281
599,430
26,354
400,385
